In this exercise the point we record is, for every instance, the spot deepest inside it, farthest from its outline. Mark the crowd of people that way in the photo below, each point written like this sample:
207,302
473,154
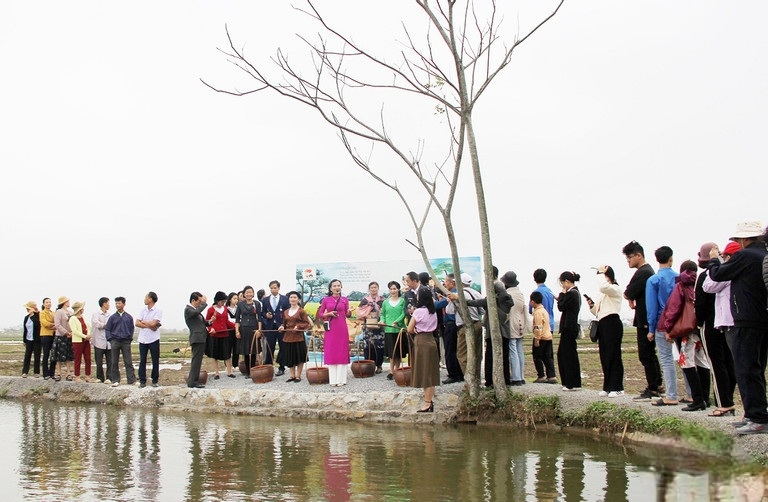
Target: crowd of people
713,325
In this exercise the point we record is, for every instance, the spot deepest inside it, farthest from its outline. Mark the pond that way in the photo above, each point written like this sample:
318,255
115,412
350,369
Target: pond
82,452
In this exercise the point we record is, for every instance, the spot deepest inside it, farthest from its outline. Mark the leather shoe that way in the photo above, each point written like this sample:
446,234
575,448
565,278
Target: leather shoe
695,406
280,373
198,386
450,380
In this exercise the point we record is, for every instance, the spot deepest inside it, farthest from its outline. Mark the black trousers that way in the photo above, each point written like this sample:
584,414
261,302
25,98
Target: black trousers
274,340
610,332
450,341
568,361
646,352
544,359
750,351
489,362
46,342
233,342
101,355
154,352
29,349
721,360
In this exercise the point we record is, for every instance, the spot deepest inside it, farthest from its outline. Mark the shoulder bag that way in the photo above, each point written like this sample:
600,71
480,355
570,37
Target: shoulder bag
593,330
686,323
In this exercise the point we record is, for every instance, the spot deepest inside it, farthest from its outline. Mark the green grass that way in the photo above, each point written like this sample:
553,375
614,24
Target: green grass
599,415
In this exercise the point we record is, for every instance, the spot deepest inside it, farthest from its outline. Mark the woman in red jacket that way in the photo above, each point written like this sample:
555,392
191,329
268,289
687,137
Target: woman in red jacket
693,360
218,347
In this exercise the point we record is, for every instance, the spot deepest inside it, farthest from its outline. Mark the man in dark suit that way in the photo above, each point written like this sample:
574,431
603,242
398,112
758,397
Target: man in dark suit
272,308
198,333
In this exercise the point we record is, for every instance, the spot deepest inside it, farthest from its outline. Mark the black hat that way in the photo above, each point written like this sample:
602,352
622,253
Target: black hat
510,279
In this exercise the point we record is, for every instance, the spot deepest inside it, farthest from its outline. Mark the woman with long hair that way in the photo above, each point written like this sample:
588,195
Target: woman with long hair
295,323
392,319
425,372
334,310
569,304
610,331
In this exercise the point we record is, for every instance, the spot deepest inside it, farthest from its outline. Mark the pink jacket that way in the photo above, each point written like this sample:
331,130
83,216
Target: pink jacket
722,291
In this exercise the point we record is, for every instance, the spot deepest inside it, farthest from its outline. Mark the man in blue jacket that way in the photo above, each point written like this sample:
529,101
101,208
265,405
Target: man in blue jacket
750,319
657,291
272,308
119,333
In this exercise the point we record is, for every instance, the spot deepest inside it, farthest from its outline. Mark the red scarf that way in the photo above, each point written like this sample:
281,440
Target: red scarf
82,323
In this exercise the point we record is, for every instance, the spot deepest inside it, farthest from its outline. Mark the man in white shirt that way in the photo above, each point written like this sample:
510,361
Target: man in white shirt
101,347
149,322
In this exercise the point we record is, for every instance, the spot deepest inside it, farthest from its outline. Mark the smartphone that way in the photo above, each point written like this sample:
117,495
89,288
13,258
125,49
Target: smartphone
586,296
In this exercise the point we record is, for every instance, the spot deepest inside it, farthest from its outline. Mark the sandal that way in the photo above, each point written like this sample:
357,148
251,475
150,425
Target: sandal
540,380
57,378
662,402
296,380
69,378
720,412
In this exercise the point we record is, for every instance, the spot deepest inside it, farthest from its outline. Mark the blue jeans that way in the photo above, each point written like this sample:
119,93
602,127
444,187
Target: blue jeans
154,352
668,368
516,359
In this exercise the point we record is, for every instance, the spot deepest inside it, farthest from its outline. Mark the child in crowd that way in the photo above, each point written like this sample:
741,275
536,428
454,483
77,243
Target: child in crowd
543,355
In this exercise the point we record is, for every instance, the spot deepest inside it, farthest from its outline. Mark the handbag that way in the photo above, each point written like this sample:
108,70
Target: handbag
686,323
593,330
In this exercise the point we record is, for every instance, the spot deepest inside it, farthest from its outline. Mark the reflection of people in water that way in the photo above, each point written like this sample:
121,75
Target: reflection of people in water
338,469
546,484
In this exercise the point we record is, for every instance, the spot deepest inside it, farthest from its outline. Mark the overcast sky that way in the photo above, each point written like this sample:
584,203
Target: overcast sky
124,173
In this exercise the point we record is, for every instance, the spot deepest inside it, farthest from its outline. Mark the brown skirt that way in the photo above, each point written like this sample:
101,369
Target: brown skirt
425,364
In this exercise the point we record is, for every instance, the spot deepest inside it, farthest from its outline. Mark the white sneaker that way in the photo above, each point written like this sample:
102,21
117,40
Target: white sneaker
602,393
616,393
116,384
107,382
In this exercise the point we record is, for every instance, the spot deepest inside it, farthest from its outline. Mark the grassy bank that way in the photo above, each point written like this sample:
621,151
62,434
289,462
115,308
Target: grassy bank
605,419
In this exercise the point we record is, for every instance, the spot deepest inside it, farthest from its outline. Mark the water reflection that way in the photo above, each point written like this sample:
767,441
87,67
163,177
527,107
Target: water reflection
65,452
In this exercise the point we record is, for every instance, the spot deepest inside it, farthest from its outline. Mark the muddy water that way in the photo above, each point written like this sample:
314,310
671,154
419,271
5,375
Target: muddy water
69,452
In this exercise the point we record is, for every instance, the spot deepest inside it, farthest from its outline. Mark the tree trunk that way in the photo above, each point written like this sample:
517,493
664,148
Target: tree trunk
473,370
499,384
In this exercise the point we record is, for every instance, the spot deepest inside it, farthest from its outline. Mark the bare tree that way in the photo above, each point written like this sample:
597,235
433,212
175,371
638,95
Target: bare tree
450,65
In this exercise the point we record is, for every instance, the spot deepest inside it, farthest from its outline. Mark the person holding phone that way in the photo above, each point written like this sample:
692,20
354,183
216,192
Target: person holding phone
569,304
610,331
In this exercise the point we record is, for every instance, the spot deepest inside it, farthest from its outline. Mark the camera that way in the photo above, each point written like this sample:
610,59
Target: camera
327,325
